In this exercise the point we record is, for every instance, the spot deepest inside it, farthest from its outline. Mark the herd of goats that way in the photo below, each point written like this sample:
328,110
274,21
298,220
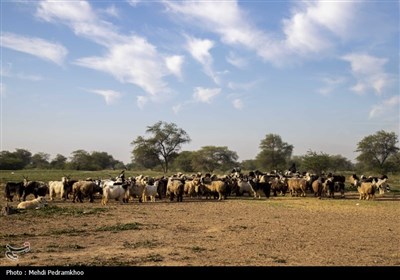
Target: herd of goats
144,188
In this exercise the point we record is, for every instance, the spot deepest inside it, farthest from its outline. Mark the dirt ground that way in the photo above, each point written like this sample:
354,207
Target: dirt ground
240,231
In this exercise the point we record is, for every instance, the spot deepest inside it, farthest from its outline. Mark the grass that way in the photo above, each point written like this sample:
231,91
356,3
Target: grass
120,227
68,231
55,175
153,258
53,210
197,249
140,244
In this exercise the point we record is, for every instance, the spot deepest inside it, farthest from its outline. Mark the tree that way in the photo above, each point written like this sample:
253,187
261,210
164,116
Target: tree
59,162
102,160
80,160
183,162
210,158
166,140
275,153
40,160
338,162
15,160
249,164
376,149
314,162
145,154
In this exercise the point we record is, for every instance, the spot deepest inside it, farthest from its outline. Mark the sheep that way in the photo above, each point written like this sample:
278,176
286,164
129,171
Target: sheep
58,188
82,189
114,192
175,187
36,203
151,191
214,187
12,188
367,190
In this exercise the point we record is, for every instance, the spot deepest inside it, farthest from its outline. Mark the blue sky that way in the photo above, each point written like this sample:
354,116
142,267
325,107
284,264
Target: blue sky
93,75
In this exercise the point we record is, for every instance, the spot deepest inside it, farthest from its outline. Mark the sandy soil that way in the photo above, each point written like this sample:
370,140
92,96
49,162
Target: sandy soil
240,231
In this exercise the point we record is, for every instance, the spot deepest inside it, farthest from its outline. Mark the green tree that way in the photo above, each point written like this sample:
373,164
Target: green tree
40,160
338,162
316,163
210,158
102,160
59,162
183,162
376,149
144,154
80,160
15,160
249,164
164,143
274,153
393,163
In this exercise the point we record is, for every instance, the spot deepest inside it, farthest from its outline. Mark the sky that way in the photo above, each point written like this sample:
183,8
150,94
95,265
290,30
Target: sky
93,75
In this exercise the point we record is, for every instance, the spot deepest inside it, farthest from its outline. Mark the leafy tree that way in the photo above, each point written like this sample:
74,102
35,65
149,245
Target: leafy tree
59,162
376,149
145,154
183,162
314,162
210,158
40,160
249,164
102,160
275,153
80,160
14,160
298,161
338,162
393,163
165,141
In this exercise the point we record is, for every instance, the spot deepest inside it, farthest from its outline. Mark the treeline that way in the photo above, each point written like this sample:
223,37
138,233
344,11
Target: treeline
161,151
79,160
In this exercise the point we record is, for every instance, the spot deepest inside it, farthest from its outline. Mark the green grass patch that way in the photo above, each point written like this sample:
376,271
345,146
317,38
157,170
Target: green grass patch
197,249
140,244
53,210
120,227
67,231
12,235
153,258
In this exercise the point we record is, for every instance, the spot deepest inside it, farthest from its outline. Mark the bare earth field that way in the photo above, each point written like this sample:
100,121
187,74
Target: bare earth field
240,231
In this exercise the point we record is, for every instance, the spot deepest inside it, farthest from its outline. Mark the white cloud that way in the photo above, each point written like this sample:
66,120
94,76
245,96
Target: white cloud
227,20
385,107
330,84
205,95
313,27
112,11
136,62
237,103
133,3
80,17
141,101
110,96
177,108
200,51
130,59
368,71
174,64
244,86
38,47
236,61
